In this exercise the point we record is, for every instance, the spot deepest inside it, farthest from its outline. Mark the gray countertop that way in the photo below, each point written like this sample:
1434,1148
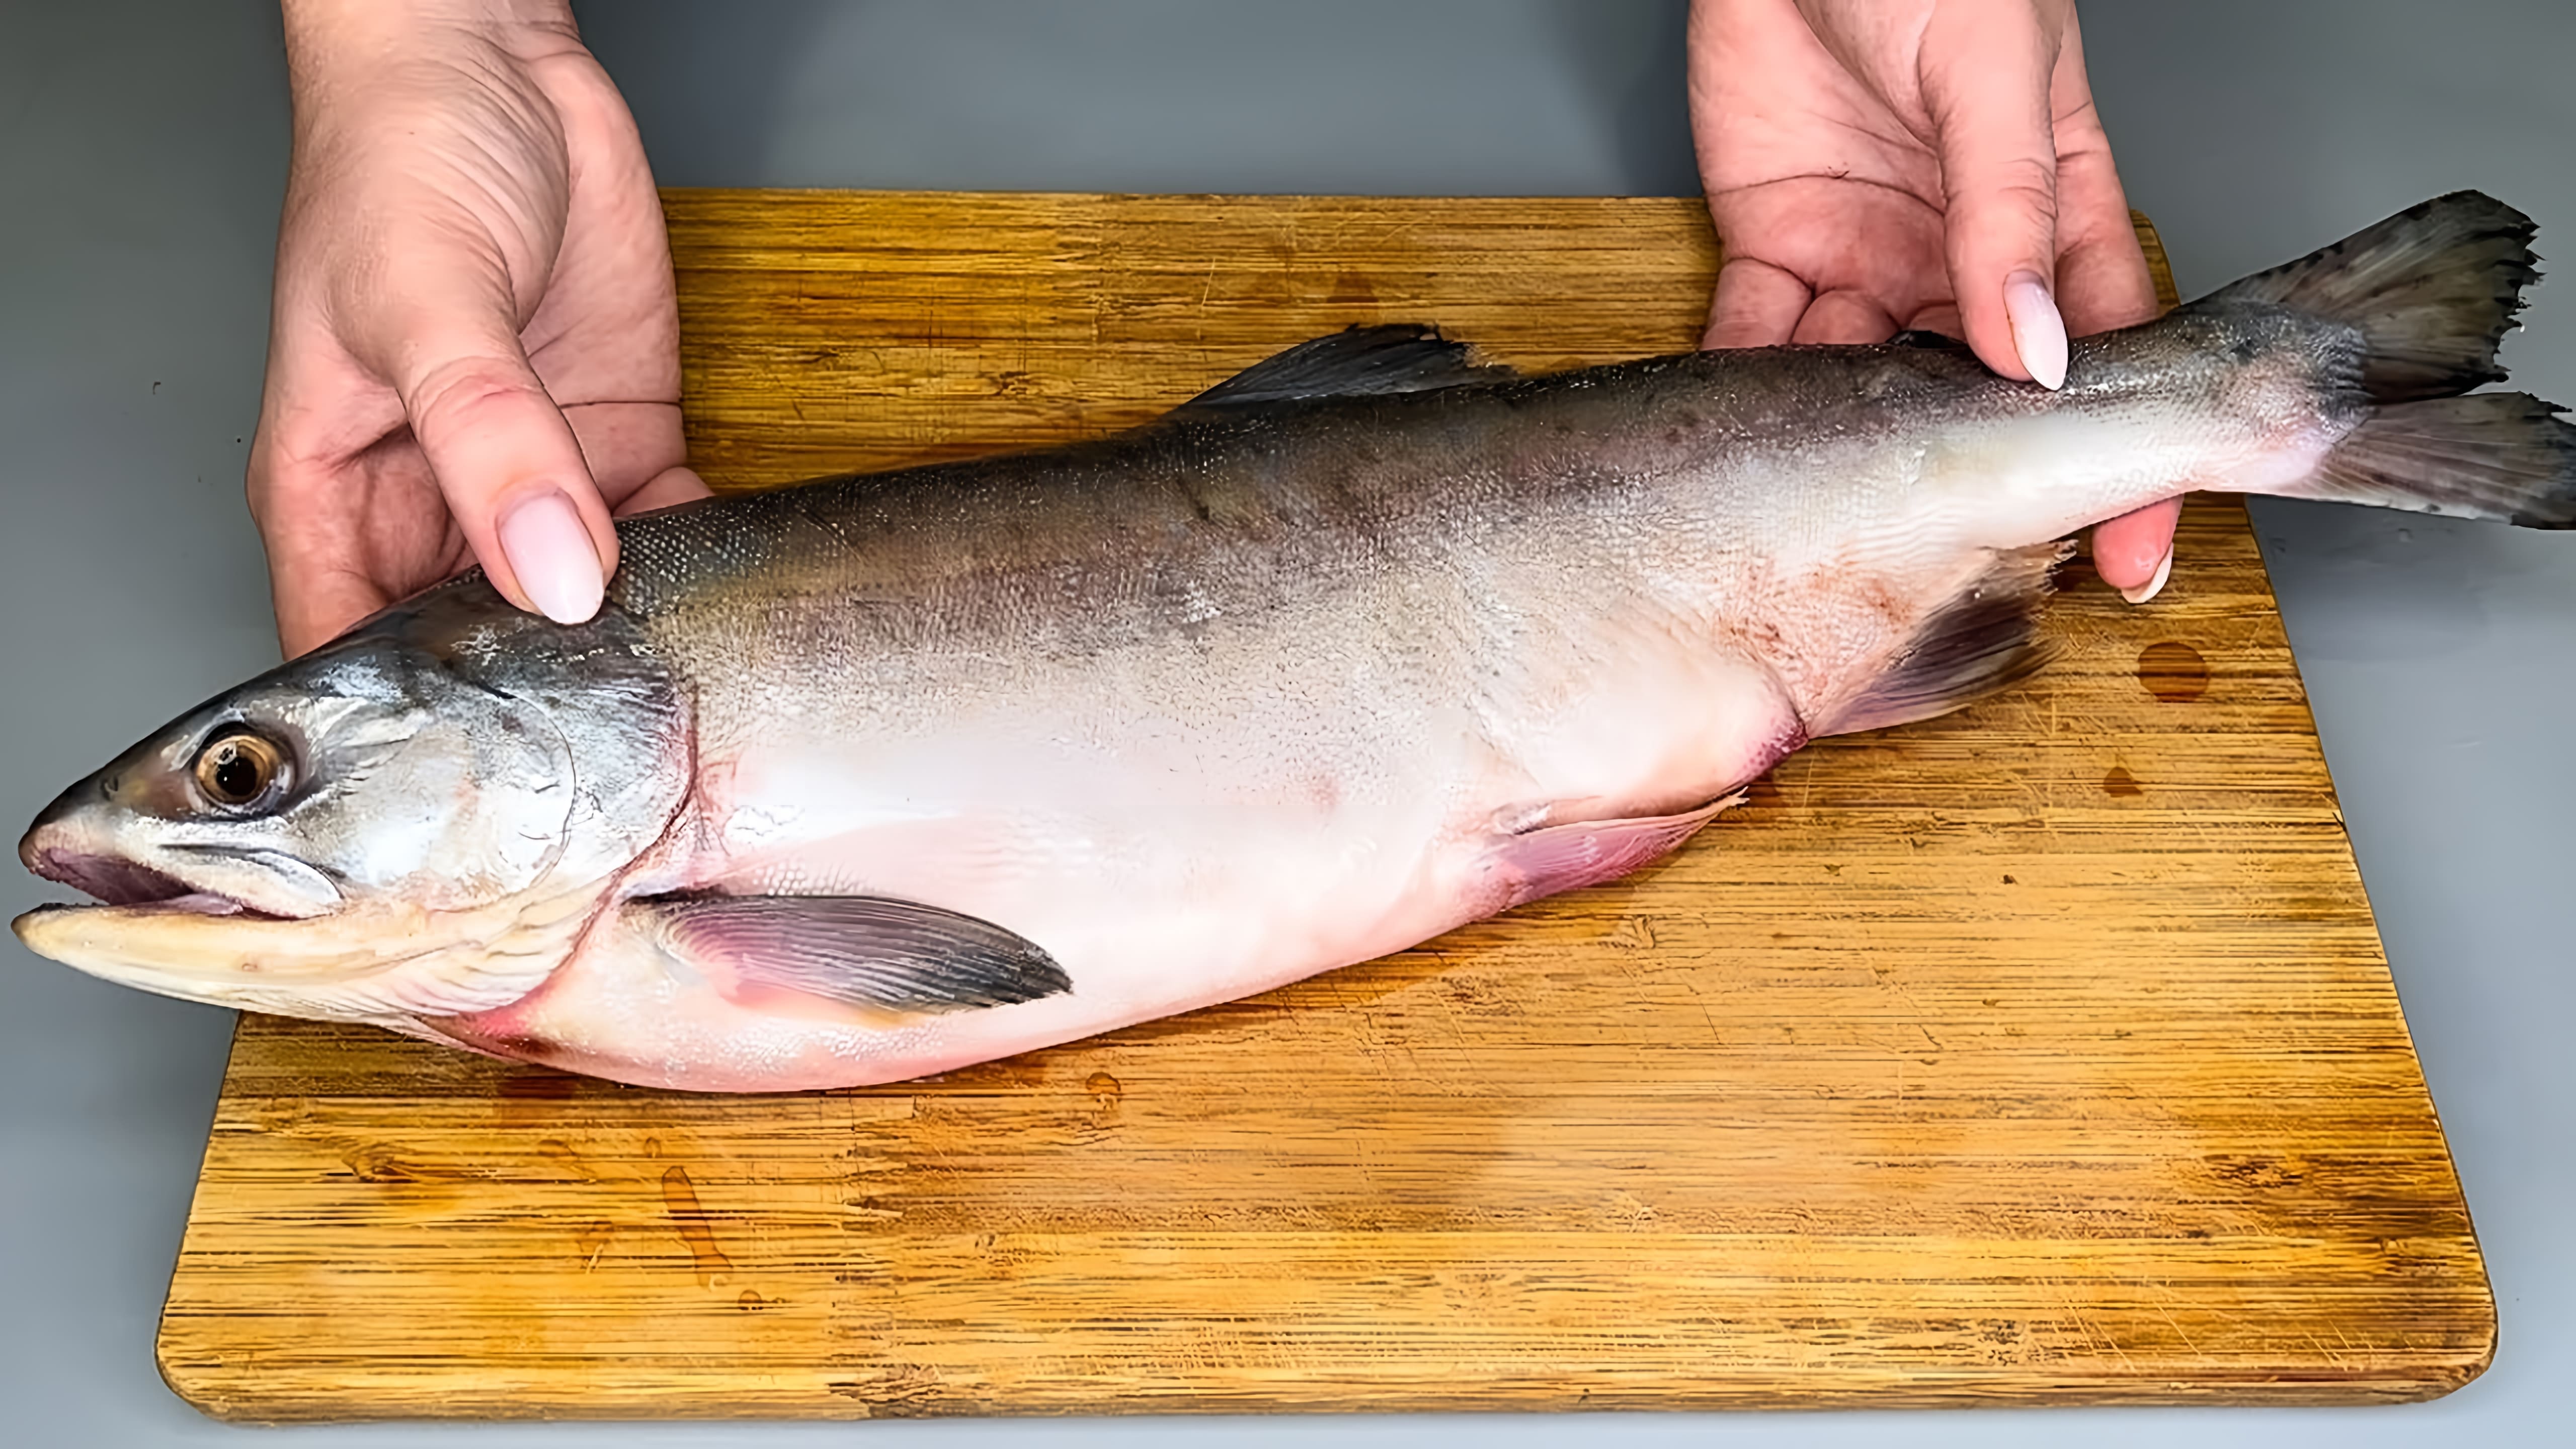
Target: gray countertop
142,155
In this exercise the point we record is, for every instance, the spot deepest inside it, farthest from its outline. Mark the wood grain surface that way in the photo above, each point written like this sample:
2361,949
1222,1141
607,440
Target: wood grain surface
2044,1053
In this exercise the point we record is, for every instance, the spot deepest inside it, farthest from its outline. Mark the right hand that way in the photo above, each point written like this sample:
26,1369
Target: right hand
474,342
1881,164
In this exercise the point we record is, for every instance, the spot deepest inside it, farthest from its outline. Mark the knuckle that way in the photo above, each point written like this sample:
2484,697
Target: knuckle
466,391
2020,182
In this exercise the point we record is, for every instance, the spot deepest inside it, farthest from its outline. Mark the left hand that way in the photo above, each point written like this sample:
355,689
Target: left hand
1877,165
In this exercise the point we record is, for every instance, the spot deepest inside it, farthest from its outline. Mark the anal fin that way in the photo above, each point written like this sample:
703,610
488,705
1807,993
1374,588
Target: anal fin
876,955
1984,640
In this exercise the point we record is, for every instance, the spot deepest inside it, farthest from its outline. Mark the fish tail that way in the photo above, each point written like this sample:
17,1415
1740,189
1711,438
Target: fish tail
2433,290
2502,456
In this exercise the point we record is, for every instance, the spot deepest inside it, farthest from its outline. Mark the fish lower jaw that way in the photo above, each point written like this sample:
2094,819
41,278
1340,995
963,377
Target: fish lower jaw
376,966
134,945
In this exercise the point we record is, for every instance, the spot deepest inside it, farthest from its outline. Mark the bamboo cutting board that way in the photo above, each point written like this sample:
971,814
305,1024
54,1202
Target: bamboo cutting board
2041,1053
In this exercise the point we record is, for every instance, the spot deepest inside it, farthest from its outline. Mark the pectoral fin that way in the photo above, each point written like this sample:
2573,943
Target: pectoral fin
857,951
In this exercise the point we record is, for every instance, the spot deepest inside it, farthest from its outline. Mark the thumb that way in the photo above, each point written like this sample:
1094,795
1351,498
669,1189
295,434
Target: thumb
508,465
1986,87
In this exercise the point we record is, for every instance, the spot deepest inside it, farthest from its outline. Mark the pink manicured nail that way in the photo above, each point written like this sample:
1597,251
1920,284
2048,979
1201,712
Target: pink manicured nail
2039,334
2153,586
550,551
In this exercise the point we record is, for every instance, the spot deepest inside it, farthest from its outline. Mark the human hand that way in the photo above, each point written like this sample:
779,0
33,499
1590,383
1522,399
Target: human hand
1877,165
474,342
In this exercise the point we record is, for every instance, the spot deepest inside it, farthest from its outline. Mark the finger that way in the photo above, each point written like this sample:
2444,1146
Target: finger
2102,277
317,603
674,486
2103,284
507,463
2135,550
1986,89
1844,318
1757,305
314,589
346,510
626,444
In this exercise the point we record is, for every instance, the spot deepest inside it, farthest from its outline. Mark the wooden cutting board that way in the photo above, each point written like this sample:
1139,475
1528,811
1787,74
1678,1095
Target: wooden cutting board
2041,1053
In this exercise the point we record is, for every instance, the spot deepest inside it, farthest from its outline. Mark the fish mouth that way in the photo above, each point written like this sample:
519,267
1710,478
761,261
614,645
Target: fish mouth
149,928
118,882
375,960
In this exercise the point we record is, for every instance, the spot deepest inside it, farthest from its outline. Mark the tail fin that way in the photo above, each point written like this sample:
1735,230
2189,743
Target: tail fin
2504,456
2432,289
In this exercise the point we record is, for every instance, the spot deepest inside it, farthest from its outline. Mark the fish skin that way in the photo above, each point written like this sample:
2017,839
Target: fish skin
1284,681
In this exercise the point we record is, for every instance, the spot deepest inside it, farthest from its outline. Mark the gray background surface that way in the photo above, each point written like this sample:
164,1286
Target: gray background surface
142,154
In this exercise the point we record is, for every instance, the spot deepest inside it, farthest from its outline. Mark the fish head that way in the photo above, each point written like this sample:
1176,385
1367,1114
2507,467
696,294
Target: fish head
412,821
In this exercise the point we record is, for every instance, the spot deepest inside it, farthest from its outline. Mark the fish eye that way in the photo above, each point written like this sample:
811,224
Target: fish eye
238,769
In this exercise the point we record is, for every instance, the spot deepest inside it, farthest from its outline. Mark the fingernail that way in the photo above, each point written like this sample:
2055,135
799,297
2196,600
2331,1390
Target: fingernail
550,551
2153,586
2039,334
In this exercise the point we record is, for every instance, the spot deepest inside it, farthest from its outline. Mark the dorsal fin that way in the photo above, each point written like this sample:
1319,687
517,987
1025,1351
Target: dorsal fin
1387,358
1927,340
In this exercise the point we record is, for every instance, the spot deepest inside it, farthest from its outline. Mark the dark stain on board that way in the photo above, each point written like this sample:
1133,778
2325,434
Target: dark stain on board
680,1200
2173,672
